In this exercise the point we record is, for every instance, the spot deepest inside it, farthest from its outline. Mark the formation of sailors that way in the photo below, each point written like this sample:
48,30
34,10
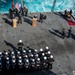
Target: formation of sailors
27,60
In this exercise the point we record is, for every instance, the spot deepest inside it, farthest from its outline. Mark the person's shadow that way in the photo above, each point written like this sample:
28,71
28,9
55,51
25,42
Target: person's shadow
73,36
56,32
40,72
27,20
60,14
30,16
9,44
7,21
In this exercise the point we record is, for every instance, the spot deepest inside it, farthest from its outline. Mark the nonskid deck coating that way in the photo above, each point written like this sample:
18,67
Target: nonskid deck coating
41,36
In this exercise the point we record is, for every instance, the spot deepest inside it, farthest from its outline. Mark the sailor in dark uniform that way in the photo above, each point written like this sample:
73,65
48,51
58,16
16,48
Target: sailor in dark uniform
13,60
44,63
40,52
50,62
63,33
41,17
38,64
7,63
20,45
1,64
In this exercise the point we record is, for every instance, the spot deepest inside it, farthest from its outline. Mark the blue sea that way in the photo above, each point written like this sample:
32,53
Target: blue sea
39,5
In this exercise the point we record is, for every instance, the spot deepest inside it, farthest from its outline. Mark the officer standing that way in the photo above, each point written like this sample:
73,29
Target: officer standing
27,65
40,52
7,62
13,60
69,32
20,18
63,33
48,54
70,11
38,64
20,63
44,63
23,11
20,45
50,62
23,53
41,17
26,12
32,64
46,50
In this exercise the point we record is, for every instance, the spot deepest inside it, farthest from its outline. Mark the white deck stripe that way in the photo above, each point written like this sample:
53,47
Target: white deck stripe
74,72
3,32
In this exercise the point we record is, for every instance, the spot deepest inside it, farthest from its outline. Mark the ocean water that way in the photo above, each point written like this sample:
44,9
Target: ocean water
39,5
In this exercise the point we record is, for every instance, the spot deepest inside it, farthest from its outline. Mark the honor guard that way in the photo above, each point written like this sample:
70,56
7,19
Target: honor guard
32,62
20,62
40,52
1,65
35,51
27,64
50,62
46,50
13,61
44,63
48,54
38,64
7,62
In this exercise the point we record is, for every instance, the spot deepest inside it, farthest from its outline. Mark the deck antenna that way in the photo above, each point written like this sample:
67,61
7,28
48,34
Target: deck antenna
53,6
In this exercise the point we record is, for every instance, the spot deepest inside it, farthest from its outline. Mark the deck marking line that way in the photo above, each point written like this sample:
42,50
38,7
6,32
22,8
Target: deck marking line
3,32
74,72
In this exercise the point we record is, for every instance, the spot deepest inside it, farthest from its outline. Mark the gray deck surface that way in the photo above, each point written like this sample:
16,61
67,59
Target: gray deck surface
44,34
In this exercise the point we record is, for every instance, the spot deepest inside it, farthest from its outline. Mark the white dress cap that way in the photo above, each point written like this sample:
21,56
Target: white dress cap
36,55
27,60
31,55
35,50
13,61
51,56
49,52
29,50
20,41
45,58
19,57
12,53
18,52
13,57
41,49
7,58
47,47
0,53
43,54
24,51
33,60
20,61
6,53
38,59
26,56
